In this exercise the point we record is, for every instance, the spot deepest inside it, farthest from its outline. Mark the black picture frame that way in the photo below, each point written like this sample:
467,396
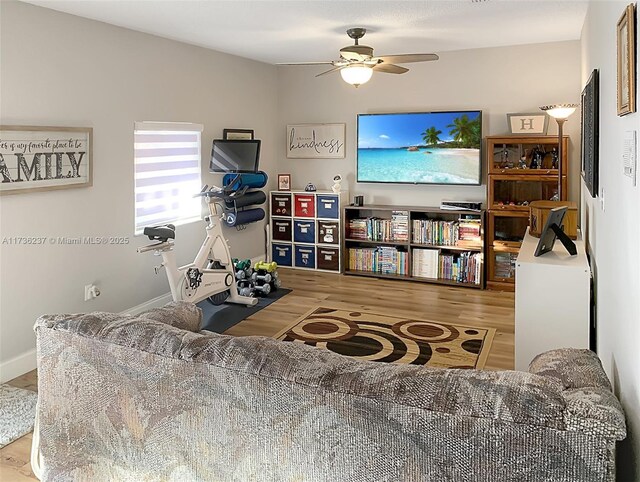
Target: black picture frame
589,138
237,134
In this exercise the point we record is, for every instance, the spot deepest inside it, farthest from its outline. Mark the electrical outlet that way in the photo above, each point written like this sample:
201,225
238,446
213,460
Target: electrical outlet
90,292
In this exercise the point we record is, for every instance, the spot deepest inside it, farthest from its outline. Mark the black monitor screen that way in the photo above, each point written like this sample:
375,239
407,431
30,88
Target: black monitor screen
235,155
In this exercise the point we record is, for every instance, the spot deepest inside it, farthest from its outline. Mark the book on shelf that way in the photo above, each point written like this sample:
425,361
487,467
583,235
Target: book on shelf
395,229
425,263
382,259
463,232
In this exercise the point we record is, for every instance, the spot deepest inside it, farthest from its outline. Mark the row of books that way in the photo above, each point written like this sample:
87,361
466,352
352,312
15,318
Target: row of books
377,229
464,268
446,233
383,259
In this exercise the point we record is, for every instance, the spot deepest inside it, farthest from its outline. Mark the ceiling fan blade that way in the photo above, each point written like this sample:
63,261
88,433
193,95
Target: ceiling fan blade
390,68
305,63
335,69
406,58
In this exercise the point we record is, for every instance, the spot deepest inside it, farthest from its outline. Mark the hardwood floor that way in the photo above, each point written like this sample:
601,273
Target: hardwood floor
486,309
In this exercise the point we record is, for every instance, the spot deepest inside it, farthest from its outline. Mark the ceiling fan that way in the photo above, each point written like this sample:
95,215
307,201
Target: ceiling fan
357,63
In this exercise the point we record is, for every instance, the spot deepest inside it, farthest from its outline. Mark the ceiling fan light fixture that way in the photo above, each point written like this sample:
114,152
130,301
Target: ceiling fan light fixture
356,74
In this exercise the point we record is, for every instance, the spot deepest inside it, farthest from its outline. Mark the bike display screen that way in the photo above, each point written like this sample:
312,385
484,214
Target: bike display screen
235,155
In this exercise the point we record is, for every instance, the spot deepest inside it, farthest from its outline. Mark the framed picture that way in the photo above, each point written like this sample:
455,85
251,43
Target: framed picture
316,141
284,182
528,124
39,158
589,133
237,134
627,62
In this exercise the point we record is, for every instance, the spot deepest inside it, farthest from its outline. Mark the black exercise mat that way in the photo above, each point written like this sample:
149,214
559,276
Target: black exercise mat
220,318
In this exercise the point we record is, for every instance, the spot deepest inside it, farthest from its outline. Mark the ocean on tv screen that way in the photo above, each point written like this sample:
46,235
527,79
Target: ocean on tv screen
431,148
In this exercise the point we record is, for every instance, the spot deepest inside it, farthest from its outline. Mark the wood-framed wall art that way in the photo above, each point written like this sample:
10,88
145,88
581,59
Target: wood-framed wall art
626,78
316,141
237,134
589,138
535,124
284,182
44,158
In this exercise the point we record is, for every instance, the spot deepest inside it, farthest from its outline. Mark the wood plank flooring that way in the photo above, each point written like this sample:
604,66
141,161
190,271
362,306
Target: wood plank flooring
484,309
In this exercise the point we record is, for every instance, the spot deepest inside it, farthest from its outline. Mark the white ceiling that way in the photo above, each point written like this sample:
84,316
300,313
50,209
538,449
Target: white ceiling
314,30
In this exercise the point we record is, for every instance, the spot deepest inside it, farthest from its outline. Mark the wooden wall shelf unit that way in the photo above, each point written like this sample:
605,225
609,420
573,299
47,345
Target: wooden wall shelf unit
510,190
423,244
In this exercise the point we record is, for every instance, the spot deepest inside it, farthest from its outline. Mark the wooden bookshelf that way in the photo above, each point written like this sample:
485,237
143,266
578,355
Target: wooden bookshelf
510,189
408,244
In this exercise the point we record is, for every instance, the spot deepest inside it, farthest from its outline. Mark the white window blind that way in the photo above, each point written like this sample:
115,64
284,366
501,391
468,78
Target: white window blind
167,173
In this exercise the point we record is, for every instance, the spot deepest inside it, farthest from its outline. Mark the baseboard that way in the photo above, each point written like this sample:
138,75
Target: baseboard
18,366
156,302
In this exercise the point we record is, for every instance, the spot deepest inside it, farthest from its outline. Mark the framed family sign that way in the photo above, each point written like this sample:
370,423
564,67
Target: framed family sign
37,158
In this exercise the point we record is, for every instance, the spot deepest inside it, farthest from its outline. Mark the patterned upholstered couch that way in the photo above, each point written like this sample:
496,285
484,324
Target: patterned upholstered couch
150,398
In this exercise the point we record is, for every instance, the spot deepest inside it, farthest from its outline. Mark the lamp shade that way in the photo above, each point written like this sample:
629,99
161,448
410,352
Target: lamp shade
356,74
559,111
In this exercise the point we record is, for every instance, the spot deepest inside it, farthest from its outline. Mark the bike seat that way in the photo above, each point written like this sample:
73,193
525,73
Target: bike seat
160,233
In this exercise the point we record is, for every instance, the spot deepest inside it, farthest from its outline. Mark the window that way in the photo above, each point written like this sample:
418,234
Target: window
167,173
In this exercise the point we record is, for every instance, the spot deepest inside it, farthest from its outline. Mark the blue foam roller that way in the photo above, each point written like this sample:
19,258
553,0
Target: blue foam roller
249,198
244,217
254,180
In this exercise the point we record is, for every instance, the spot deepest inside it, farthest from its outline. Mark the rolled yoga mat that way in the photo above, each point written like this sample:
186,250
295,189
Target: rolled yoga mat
249,198
243,217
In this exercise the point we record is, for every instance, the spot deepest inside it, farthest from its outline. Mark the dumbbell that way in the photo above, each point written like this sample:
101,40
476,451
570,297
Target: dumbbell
240,275
256,276
245,289
264,266
264,289
275,284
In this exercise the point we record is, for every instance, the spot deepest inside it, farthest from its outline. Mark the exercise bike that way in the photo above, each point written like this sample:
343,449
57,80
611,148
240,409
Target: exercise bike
211,275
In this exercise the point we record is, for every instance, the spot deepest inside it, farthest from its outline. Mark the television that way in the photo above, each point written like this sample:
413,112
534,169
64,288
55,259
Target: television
235,155
420,148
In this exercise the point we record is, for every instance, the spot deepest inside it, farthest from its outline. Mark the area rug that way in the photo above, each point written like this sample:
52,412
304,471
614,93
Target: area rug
17,412
392,339
220,318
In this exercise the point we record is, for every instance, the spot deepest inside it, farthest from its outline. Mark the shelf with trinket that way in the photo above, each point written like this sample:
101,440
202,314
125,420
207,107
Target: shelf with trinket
524,155
516,192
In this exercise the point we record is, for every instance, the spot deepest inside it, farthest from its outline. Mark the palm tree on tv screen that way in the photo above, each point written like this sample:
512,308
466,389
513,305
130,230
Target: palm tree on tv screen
465,132
430,136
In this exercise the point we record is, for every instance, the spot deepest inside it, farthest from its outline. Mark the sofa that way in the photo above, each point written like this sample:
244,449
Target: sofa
151,398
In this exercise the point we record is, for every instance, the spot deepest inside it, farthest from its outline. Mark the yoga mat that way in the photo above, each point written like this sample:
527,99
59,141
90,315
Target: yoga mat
220,318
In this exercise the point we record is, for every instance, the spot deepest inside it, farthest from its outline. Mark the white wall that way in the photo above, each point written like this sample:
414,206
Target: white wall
496,80
62,70
613,233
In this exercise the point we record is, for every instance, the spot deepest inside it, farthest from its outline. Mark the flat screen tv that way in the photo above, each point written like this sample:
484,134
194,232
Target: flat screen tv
420,147
235,155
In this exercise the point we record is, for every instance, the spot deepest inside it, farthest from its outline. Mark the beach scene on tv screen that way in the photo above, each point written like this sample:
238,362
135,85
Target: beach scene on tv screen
435,147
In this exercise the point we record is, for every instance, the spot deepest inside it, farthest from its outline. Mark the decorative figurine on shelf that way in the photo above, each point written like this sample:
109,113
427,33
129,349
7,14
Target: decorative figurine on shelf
505,156
522,163
336,183
536,158
310,187
554,158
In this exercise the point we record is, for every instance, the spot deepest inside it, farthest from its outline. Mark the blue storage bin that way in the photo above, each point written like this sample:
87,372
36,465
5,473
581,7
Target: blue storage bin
282,254
305,256
328,206
304,231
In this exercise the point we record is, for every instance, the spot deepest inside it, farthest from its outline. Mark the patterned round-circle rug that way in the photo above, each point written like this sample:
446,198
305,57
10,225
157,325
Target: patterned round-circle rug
391,339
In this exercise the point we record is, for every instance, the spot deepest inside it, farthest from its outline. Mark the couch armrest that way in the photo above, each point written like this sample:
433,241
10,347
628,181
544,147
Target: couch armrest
573,367
591,405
